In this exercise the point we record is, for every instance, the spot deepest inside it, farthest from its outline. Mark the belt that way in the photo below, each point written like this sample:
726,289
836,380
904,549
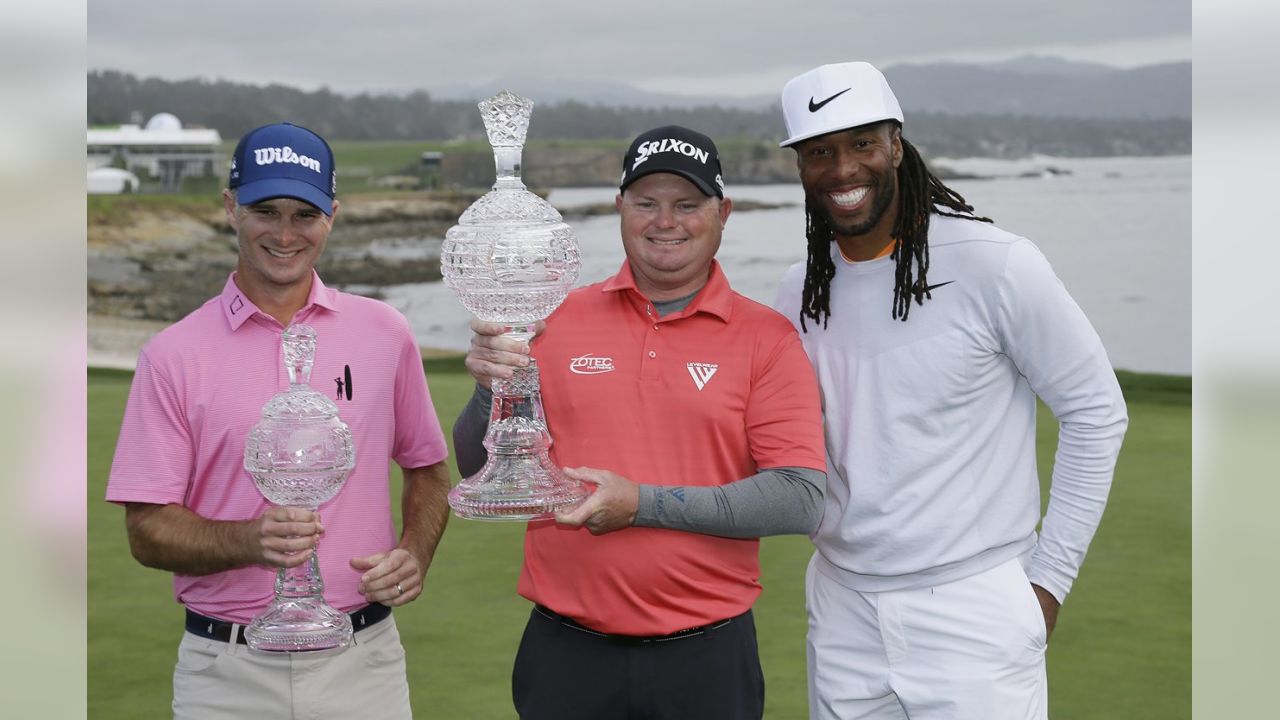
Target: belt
570,623
214,629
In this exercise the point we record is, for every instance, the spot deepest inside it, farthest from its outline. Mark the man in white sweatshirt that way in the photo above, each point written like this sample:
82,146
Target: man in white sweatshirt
932,333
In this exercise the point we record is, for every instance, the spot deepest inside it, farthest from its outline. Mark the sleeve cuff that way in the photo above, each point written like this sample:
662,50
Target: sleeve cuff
1057,585
647,507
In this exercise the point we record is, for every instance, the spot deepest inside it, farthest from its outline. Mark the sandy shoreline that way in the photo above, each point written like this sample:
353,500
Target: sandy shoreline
114,342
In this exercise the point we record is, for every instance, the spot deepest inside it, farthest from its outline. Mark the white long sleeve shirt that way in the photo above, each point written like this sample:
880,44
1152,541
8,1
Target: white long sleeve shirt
930,423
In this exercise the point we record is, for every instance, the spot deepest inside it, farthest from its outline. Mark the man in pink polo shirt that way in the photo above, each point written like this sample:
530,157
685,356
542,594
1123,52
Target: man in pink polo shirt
191,509
697,421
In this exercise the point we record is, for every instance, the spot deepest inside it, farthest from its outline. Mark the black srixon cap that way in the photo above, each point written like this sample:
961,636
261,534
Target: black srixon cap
674,149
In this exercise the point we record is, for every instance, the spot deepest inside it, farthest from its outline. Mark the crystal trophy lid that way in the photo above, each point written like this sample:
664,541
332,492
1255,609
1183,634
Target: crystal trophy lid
511,258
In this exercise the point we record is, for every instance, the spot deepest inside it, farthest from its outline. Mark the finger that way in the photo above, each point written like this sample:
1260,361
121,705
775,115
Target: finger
580,514
291,529
499,344
371,561
492,359
480,327
383,575
286,560
286,525
499,351
396,588
584,474
367,562
288,545
398,594
292,514
484,370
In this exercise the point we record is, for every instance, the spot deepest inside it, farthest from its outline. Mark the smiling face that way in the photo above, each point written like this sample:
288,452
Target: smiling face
670,232
280,240
851,177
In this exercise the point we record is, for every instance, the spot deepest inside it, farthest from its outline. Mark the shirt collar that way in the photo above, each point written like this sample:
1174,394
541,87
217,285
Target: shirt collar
237,307
715,298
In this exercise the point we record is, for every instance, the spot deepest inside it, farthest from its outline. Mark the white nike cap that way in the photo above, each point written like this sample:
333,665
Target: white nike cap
836,97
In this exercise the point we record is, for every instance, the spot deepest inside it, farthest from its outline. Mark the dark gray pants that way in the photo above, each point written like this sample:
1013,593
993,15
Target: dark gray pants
565,672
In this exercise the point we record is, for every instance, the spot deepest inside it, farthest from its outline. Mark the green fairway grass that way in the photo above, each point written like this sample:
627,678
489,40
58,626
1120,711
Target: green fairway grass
1122,648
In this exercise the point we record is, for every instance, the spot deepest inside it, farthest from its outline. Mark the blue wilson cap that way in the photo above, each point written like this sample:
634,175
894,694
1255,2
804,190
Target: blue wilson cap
283,160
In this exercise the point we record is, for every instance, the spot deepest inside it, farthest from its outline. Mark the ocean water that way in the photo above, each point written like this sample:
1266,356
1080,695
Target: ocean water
1117,231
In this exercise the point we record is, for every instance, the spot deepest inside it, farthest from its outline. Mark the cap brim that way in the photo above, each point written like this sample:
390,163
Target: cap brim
826,131
697,181
269,188
805,136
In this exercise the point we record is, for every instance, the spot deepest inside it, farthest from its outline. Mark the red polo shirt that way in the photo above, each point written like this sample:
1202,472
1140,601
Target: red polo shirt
704,396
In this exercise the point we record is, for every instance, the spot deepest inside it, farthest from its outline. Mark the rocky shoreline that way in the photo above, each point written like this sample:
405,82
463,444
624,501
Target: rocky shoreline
151,263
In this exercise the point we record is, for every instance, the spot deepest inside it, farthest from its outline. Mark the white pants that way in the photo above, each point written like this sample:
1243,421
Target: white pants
972,649
218,680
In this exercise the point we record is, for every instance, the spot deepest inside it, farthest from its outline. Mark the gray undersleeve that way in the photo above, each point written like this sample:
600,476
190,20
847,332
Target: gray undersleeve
776,501
468,432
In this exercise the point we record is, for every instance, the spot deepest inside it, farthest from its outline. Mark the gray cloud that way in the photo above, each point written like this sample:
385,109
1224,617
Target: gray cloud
739,48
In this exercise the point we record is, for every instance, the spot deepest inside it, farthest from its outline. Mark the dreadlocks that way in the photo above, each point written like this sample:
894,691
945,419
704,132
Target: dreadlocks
920,193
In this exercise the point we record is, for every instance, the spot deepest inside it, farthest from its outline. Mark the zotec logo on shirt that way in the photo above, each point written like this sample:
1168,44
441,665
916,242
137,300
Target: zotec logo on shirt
590,365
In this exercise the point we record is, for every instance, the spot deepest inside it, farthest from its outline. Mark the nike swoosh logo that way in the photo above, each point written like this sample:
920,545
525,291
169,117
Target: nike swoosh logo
815,107
930,288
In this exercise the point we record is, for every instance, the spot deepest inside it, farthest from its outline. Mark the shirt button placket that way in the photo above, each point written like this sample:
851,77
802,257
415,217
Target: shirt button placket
649,360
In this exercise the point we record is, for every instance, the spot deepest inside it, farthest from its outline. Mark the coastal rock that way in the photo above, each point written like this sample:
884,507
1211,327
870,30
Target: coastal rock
158,260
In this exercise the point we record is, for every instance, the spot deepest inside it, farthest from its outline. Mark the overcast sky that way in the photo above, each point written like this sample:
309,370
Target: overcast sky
679,46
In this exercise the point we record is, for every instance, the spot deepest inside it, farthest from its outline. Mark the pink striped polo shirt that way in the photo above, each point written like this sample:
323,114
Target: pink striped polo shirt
199,388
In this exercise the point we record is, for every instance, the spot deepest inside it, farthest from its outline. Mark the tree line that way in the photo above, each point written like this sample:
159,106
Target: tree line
232,108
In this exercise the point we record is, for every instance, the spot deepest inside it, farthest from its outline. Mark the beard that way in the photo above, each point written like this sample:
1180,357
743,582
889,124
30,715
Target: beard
884,192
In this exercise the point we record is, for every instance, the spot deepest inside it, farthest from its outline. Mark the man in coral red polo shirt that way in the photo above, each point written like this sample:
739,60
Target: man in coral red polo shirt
694,413
190,507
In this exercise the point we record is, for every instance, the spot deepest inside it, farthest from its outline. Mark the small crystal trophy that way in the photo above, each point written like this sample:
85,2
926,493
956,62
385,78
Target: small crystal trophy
511,259
299,454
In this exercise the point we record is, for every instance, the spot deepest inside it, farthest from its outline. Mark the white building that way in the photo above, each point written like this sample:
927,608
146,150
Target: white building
163,149
111,181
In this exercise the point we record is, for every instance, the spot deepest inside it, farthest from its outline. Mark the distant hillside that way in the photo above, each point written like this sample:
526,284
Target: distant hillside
965,130
1036,87
1048,65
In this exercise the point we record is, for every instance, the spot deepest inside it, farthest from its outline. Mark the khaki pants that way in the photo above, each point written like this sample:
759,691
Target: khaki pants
218,680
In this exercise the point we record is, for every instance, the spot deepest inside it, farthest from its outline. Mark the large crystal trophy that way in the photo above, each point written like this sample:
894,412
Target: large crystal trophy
299,454
511,259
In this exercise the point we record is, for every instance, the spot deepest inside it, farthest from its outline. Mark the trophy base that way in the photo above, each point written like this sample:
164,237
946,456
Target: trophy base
515,488
299,624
